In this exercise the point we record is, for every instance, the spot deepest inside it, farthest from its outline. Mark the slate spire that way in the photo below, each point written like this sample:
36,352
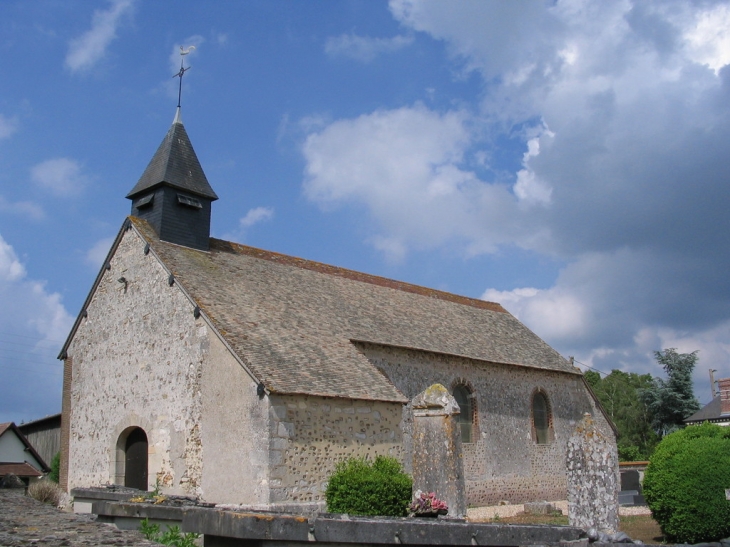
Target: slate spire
173,193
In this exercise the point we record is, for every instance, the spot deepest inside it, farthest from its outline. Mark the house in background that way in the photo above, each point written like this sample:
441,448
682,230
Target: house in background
45,435
241,375
17,455
717,411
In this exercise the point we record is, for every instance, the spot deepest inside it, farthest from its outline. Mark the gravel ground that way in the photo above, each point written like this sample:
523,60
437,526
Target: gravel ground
25,521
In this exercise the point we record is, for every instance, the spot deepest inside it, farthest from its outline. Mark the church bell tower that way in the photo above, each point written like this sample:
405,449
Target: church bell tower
173,194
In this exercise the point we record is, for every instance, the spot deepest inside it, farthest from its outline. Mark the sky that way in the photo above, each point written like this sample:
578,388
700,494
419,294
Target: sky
566,158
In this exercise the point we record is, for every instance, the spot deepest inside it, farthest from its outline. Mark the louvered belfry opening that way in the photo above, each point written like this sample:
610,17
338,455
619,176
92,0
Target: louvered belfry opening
173,193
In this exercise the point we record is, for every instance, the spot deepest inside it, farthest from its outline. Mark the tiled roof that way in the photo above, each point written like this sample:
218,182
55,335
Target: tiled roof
4,427
19,469
711,411
292,321
175,164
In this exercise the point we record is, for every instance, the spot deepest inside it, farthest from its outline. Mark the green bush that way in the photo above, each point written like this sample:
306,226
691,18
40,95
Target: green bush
685,484
360,487
172,536
55,468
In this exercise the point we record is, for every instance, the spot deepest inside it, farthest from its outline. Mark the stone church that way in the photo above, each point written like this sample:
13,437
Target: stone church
241,375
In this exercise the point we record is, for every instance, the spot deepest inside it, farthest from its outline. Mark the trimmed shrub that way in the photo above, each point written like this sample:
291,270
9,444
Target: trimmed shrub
55,468
685,484
360,487
45,491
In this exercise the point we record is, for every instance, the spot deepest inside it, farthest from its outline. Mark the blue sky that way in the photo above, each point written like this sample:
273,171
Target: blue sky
566,158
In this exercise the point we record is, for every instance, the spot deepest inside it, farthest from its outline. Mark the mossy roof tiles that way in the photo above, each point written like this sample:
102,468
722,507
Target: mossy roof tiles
293,321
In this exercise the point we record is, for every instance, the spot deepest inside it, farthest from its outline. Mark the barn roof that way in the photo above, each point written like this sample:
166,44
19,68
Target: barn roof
293,322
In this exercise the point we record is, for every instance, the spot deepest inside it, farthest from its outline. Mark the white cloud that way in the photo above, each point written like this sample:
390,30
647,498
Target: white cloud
96,255
251,218
364,48
89,48
556,314
529,188
254,216
708,40
8,126
62,176
628,187
36,319
407,167
26,209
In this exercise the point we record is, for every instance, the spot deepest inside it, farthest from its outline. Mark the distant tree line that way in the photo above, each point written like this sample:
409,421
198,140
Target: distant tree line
645,408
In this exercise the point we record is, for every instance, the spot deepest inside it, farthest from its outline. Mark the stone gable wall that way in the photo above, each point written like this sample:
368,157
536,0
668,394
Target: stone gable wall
309,435
503,462
137,361
235,432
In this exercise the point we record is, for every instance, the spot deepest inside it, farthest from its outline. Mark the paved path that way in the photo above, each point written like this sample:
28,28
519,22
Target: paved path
25,521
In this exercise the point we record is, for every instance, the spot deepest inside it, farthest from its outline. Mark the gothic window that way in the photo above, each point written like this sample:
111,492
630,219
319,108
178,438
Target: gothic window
465,400
542,420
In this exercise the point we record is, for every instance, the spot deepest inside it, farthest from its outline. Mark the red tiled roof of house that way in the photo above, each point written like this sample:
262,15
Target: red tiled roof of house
20,469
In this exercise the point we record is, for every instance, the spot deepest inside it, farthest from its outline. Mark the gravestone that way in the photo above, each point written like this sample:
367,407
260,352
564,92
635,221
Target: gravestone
630,493
437,458
593,479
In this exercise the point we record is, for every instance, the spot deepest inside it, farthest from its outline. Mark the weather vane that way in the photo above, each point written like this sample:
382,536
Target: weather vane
183,70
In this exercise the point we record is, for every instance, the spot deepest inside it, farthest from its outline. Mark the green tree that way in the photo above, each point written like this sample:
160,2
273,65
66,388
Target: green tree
619,394
672,400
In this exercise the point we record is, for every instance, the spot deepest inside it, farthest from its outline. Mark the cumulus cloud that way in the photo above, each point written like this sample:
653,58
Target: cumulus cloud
364,48
25,209
8,126
627,187
406,167
254,216
89,48
62,176
96,255
35,319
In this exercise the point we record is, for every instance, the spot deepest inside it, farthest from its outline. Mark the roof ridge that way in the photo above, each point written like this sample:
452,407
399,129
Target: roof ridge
354,275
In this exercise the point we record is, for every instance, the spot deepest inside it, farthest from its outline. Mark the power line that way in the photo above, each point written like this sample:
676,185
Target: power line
590,367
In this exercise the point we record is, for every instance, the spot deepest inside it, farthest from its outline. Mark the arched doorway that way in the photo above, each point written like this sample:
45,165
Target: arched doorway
132,453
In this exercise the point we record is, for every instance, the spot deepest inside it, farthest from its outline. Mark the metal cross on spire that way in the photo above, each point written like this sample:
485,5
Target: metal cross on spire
183,70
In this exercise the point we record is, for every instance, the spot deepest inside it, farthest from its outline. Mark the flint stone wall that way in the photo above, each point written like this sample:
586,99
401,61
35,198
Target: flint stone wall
137,361
593,479
310,435
503,462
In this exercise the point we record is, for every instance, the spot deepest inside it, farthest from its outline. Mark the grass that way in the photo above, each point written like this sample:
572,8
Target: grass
641,527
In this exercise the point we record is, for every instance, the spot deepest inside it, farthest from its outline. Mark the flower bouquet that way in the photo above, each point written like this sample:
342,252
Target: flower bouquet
426,504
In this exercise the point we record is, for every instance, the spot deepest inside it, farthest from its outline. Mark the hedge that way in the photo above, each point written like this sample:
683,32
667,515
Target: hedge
360,487
685,484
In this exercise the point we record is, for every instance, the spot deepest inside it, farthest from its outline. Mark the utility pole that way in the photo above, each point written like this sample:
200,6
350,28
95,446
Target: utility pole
712,382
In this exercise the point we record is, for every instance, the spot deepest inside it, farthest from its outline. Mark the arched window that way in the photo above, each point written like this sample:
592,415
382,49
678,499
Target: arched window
464,399
132,454
542,421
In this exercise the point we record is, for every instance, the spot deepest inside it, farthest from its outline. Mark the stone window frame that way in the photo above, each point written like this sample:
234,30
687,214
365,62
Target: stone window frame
550,431
472,395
